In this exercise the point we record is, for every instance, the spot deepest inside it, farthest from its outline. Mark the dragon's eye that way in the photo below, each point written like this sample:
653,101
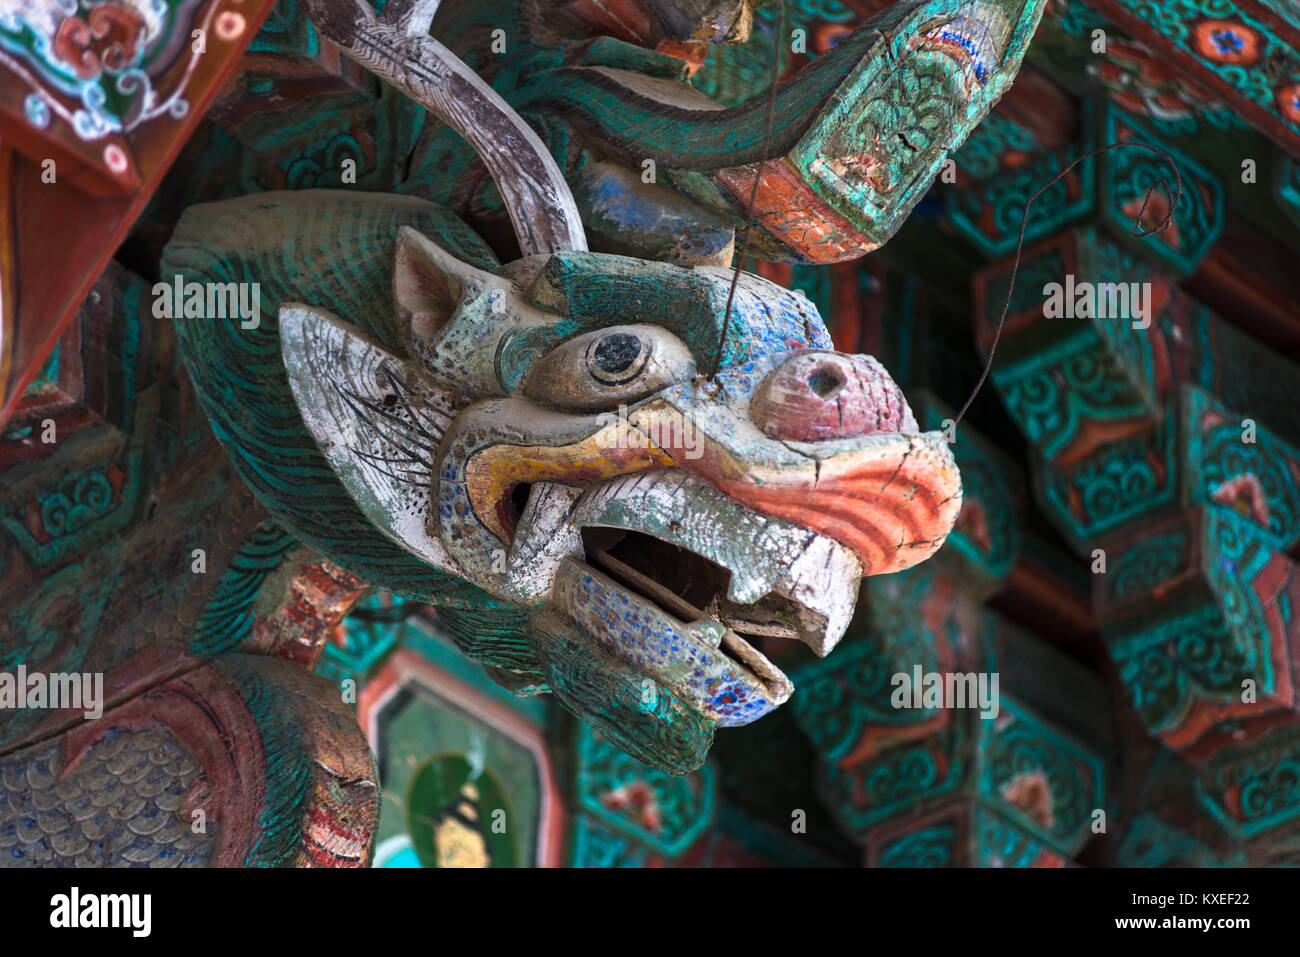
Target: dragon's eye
603,368
617,358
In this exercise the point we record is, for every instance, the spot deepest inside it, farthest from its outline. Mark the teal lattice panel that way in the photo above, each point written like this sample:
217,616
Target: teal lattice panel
881,758
962,834
996,143
1137,186
1201,453
1117,188
989,214
1253,792
1043,781
1210,662
1234,461
1128,480
1096,344
843,704
631,805
1240,809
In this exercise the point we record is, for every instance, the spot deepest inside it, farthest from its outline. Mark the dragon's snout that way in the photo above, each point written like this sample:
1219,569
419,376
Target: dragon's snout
844,457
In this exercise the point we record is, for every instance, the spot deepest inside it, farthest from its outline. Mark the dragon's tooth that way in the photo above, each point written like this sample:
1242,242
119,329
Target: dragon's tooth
747,587
824,583
707,630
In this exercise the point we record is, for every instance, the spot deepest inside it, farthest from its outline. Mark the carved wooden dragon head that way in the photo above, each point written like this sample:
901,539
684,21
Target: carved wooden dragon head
549,434
638,470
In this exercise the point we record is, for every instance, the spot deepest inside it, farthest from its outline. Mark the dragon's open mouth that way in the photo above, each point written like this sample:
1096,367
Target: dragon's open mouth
686,584
710,666
693,590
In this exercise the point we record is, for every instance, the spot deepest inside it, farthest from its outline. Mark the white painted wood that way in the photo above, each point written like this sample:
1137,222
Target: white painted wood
378,425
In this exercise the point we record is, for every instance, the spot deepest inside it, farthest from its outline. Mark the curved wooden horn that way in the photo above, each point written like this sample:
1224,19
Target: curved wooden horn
396,47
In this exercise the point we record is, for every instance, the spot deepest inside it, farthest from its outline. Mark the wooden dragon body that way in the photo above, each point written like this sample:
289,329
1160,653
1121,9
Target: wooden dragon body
854,141
547,432
639,469
616,476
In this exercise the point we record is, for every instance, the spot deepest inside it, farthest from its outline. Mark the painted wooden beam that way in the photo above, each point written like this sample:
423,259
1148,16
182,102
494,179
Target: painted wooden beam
57,234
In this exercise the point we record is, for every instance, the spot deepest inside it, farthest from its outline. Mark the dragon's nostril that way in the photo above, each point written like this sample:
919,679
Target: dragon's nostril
825,381
828,395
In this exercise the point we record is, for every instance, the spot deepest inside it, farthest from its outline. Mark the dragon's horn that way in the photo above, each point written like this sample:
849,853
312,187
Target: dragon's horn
396,47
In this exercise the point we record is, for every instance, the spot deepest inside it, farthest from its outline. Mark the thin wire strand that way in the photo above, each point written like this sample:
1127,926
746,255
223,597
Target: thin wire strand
1138,231
778,38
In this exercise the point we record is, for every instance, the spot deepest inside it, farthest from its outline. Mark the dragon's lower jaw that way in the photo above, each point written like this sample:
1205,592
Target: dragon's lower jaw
681,582
711,668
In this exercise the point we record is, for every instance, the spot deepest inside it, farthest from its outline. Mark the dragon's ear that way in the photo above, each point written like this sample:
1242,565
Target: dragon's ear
376,421
450,316
428,284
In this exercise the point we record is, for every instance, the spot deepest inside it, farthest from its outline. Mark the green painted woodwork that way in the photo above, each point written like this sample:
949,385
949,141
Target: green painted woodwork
429,748
458,815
